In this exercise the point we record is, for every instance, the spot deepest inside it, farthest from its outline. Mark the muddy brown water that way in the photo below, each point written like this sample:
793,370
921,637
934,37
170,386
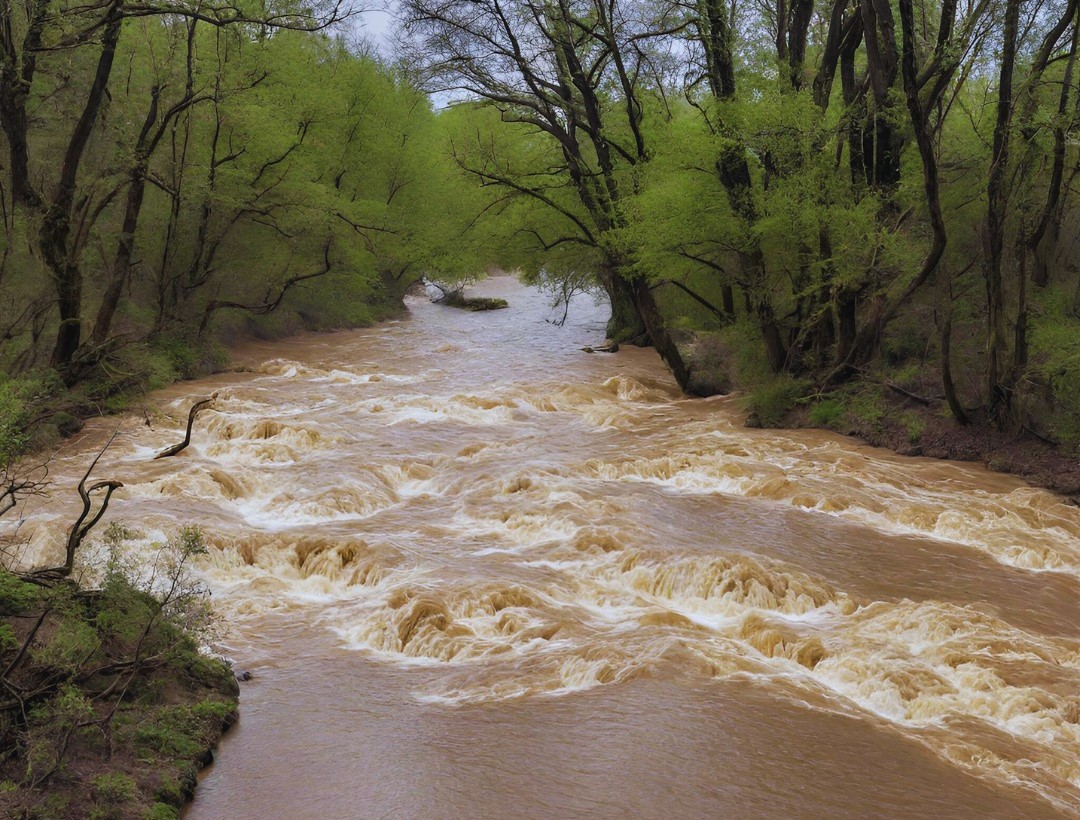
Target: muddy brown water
477,572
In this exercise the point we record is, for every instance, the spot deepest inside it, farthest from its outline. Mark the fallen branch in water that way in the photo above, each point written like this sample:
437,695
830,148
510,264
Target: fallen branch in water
196,408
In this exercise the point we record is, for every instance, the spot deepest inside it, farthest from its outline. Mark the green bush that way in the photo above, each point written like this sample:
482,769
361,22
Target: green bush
827,413
73,641
1055,363
15,411
113,788
771,402
914,424
868,407
16,596
183,731
170,793
161,811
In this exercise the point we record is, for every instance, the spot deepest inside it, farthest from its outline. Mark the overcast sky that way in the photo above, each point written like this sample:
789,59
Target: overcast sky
377,24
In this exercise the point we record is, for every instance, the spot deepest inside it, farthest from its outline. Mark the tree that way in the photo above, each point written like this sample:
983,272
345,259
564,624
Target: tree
62,211
571,76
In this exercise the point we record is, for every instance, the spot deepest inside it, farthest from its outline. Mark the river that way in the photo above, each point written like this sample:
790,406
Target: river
477,572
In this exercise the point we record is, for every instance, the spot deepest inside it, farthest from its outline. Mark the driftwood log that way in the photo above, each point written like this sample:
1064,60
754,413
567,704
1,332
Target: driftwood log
196,408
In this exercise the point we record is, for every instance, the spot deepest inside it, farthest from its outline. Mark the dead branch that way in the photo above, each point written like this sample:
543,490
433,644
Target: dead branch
81,528
17,486
196,408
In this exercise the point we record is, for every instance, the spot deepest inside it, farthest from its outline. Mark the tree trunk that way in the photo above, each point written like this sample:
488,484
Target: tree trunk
1020,340
947,383
727,293
1044,236
775,351
54,238
126,243
658,332
998,390
122,262
847,325
16,77
626,324
715,36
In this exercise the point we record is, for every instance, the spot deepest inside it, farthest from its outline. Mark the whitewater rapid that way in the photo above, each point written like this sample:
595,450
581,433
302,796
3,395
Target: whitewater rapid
481,573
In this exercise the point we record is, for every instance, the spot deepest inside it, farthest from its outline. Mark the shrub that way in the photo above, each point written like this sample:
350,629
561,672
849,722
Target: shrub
914,424
113,788
183,731
169,793
868,407
827,413
14,414
73,641
771,402
161,811
16,596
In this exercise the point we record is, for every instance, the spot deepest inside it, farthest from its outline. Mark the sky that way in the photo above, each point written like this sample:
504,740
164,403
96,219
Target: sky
377,24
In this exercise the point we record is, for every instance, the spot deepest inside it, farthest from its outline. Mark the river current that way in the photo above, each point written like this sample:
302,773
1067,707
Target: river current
477,572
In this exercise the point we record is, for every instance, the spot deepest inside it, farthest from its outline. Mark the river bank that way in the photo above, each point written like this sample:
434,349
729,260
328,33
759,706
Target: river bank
911,427
111,708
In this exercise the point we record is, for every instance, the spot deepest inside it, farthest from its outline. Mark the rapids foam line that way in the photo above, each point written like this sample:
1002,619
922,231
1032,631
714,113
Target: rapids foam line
1025,528
949,674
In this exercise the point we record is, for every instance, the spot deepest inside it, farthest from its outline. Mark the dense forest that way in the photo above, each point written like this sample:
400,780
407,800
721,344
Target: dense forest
173,176
790,198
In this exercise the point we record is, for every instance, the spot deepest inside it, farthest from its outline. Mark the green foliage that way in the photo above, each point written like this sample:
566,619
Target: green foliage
182,731
16,595
771,402
48,730
23,403
308,187
914,424
166,710
1055,363
73,642
169,793
868,406
113,789
13,416
827,413
161,811
53,807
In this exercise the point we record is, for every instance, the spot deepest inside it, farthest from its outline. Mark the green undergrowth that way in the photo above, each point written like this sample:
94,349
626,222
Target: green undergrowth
119,707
